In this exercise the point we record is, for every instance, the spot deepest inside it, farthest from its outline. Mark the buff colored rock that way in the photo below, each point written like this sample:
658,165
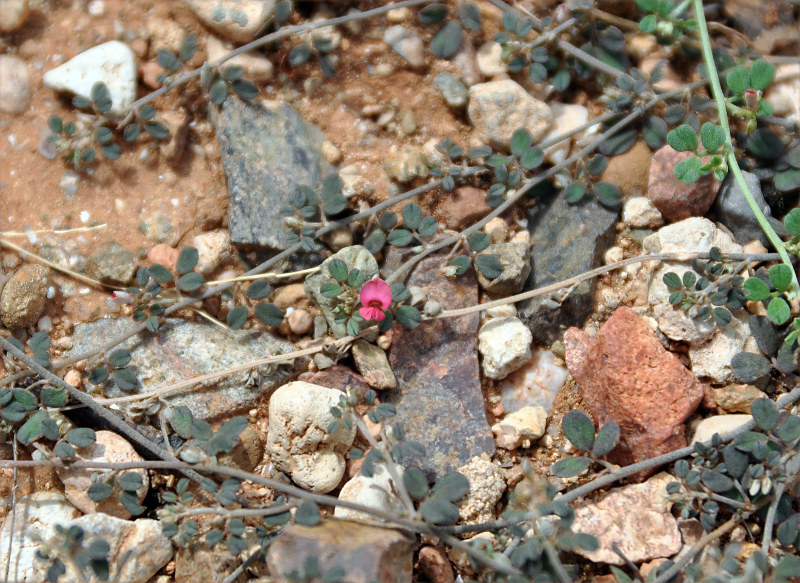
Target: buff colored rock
298,441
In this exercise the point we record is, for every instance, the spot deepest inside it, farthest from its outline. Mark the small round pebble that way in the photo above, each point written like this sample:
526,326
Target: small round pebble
15,87
23,298
13,14
300,322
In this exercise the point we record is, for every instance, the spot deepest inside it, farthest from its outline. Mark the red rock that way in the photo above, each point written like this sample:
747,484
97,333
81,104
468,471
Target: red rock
164,255
462,207
434,564
677,200
626,376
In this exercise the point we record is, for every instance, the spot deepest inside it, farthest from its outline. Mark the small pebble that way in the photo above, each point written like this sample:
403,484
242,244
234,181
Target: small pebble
15,87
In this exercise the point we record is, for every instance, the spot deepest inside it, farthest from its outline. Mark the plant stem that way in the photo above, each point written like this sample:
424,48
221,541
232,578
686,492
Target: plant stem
733,164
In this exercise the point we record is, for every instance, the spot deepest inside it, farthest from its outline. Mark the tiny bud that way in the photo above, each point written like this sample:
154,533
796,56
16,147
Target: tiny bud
752,98
122,298
562,14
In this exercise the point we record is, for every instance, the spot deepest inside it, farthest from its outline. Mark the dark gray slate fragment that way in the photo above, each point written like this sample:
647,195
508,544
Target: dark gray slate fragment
733,211
188,349
438,397
268,151
566,240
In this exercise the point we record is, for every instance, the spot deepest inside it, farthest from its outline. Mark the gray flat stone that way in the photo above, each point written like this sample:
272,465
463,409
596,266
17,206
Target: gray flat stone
268,152
187,349
566,240
438,396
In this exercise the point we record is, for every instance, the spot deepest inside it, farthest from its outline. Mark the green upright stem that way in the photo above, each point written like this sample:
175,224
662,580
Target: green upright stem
733,164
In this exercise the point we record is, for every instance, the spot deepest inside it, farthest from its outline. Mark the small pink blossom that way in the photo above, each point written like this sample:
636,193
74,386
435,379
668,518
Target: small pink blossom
752,98
375,296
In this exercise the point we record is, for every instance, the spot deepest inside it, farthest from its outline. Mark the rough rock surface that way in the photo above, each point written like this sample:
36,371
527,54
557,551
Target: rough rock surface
498,108
23,297
268,152
367,553
111,448
733,211
505,345
438,397
677,200
566,240
298,441
355,257
378,492
636,518
35,519
112,63
627,376
196,348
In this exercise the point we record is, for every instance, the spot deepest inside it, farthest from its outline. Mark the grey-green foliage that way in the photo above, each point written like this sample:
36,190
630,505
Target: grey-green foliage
746,470
579,428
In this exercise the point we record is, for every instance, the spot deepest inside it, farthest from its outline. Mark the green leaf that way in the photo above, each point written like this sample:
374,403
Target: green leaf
237,317
447,40
749,367
738,80
571,466
338,269
761,74
683,138
451,487
764,413
688,170
415,482
258,290
408,316
412,215
187,260
307,514
53,397
579,429
756,289
606,440
433,13
191,281
778,311
330,290
781,276
160,273
489,266
532,158
574,192
81,437
716,481
125,379
712,136
607,194
427,227
270,314
400,237
654,132
299,55
521,140
439,511
100,491
119,358
479,241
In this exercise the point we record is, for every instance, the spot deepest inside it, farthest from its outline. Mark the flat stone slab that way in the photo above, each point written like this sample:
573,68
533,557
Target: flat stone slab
268,152
566,240
187,349
438,396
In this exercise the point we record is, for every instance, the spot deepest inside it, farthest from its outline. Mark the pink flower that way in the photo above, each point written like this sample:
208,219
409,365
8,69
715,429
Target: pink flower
375,296
751,99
